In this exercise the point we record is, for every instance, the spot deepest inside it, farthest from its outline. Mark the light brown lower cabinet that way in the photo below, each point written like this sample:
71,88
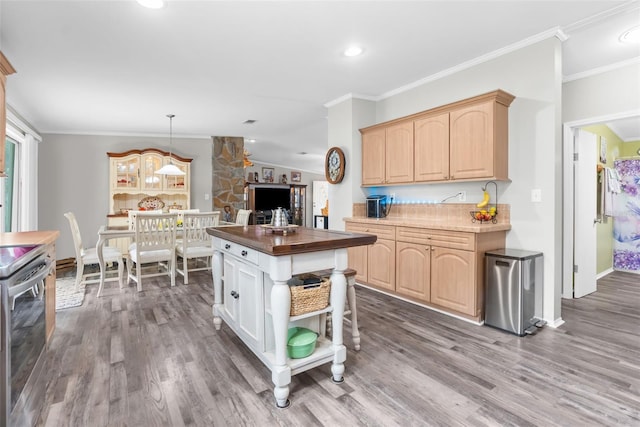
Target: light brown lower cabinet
440,268
375,264
413,273
453,283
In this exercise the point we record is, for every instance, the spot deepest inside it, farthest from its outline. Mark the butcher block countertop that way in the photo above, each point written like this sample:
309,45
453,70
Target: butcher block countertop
435,223
29,238
301,240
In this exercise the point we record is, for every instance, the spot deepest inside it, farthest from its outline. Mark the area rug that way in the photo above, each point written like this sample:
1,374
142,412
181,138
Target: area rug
66,294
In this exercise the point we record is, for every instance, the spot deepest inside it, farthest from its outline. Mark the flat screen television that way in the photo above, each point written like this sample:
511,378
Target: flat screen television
267,198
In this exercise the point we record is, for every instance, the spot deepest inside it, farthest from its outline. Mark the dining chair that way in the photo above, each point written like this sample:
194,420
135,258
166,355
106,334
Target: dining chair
195,243
155,242
89,256
132,216
242,217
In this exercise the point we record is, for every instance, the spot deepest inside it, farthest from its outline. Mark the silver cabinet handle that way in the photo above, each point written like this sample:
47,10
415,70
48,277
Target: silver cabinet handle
243,253
227,246
235,294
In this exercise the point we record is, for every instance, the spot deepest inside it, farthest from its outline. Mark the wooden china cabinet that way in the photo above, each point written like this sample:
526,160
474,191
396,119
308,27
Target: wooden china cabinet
133,184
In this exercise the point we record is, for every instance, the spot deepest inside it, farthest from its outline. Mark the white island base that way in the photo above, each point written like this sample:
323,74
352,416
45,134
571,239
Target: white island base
251,295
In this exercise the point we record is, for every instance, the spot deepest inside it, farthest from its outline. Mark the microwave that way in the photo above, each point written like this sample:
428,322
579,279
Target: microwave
377,207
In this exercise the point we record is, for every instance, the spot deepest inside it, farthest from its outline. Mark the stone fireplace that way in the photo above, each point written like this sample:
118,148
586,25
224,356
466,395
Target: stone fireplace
228,172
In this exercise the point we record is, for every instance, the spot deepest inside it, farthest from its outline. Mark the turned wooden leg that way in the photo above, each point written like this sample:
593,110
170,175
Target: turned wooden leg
216,273
338,294
351,298
281,372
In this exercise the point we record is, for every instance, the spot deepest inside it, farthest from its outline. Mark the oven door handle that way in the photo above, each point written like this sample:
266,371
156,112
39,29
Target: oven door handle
4,321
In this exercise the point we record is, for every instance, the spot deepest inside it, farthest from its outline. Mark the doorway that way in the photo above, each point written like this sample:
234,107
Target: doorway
573,253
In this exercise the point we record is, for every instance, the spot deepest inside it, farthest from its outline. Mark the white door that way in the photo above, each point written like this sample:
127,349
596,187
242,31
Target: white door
585,199
320,196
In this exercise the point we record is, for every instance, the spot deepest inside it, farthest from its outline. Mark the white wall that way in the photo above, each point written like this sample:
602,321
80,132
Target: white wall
74,174
533,75
345,120
613,92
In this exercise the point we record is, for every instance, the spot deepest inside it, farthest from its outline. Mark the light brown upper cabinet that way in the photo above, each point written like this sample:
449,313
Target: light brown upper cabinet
5,70
373,156
465,140
387,155
479,140
431,147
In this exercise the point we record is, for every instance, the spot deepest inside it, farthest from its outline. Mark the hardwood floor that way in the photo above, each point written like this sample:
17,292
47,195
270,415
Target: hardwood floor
154,359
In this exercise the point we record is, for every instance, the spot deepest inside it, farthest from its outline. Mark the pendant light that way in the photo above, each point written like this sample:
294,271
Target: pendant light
170,169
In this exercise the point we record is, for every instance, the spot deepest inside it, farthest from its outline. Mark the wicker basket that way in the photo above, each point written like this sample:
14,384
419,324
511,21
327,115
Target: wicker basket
307,298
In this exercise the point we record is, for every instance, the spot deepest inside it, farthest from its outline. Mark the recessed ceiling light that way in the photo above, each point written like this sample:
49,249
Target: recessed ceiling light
251,140
152,4
353,51
632,35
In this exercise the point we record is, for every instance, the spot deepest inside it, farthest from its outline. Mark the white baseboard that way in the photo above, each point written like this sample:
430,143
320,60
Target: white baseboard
473,322
556,323
604,273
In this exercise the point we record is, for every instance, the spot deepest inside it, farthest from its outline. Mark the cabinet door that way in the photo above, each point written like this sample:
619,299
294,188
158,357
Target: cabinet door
358,261
149,179
229,285
431,148
382,264
125,172
179,183
298,196
373,157
471,142
413,265
453,279
399,153
250,300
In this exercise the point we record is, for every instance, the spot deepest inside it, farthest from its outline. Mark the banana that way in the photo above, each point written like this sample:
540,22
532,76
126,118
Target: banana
485,200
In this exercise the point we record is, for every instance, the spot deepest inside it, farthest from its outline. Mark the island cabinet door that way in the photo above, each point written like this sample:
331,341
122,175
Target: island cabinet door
230,288
250,304
243,300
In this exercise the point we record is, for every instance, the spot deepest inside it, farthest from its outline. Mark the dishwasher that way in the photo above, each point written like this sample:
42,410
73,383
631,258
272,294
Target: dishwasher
513,290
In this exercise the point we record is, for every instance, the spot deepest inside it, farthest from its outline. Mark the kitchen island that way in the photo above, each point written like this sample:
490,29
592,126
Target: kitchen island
251,267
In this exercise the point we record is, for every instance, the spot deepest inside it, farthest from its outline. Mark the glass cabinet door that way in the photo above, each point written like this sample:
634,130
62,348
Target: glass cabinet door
127,172
150,164
176,182
297,204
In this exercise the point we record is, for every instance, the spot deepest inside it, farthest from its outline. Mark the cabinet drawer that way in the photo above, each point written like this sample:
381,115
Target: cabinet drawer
382,231
239,251
442,238
118,221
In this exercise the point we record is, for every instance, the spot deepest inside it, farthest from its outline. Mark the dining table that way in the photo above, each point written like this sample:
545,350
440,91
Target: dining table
108,232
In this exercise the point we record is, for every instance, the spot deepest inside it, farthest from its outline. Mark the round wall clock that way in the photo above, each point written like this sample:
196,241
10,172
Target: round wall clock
334,165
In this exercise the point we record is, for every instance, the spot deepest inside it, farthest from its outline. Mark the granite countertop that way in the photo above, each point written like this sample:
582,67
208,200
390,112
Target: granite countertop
301,240
435,223
29,238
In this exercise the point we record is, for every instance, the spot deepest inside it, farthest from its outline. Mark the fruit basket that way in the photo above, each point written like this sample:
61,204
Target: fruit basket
484,216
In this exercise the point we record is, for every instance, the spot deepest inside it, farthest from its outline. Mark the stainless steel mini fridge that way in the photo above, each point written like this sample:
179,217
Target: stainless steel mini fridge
513,290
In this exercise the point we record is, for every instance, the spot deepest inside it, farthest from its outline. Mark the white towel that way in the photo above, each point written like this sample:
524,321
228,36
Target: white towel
605,196
613,183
